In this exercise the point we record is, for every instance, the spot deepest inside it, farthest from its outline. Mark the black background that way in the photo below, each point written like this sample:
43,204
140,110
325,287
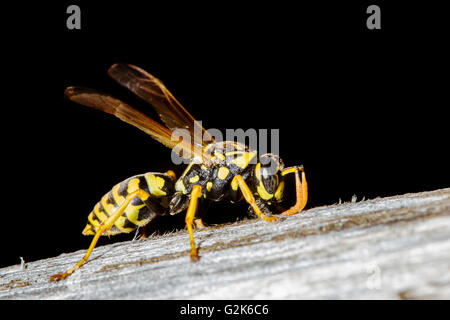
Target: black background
362,110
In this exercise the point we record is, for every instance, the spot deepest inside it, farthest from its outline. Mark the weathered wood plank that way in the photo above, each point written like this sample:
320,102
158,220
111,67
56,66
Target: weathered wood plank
394,248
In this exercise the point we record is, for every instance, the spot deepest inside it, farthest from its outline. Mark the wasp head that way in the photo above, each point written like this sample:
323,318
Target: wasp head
268,180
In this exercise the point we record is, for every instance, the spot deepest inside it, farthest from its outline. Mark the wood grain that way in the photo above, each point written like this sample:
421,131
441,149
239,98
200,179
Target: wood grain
385,248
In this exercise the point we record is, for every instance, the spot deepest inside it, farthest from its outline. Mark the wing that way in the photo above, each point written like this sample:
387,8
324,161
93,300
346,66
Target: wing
100,101
152,90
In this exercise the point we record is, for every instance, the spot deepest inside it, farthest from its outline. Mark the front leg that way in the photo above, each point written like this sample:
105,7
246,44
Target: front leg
301,188
248,196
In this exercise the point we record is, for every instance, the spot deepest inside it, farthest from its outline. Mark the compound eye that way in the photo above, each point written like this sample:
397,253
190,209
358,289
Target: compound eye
270,163
270,181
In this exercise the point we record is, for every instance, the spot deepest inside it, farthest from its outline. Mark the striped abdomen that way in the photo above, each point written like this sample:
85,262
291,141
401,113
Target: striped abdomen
160,187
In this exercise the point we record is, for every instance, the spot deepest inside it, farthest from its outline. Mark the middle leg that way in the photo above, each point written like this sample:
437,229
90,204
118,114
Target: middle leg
190,214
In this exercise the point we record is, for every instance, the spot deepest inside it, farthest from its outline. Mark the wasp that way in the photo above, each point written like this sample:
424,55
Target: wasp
216,170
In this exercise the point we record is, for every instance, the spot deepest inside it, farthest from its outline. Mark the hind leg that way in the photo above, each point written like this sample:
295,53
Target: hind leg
105,226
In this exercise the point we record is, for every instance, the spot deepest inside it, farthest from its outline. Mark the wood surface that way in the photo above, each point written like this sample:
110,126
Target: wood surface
384,248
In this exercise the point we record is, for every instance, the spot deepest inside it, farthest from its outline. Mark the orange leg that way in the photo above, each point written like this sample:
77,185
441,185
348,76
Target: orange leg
106,225
301,188
190,214
248,196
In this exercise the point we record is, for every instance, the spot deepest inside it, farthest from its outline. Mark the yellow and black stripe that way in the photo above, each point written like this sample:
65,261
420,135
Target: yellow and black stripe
139,212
